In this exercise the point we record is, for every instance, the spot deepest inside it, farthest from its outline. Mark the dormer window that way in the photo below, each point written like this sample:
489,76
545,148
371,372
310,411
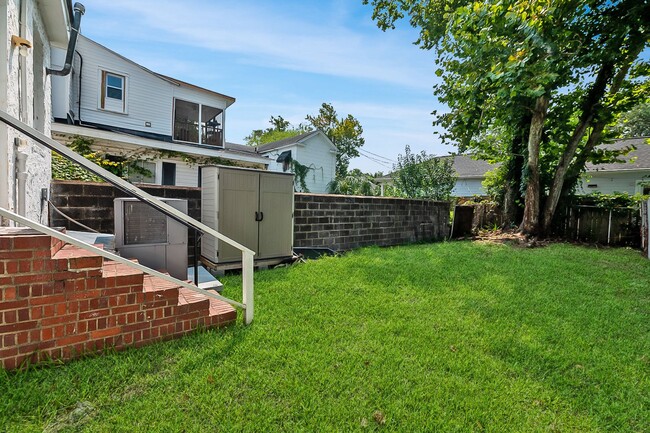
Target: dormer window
113,97
198,123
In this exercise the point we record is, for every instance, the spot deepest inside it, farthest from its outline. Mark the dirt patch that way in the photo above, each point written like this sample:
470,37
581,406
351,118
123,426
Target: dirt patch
510,237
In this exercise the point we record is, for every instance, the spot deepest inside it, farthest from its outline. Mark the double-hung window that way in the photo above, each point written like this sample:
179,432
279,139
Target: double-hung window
113,97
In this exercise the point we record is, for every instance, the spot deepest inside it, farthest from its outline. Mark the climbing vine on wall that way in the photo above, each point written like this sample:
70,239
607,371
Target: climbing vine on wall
122,164
300,172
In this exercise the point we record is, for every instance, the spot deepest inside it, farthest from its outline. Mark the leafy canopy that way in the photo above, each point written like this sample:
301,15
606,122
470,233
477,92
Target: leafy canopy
418,175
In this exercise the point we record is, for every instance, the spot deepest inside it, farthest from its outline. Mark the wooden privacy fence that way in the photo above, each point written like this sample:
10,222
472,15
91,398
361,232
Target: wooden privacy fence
618,226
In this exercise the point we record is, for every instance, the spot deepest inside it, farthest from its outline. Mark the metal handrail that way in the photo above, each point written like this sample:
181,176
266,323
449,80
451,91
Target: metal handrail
247,254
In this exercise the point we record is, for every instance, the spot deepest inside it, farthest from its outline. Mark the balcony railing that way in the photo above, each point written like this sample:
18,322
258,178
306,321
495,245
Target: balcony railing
189,132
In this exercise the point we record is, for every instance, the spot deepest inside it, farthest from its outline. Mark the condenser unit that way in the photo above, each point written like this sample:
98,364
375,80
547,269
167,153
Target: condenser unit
144,233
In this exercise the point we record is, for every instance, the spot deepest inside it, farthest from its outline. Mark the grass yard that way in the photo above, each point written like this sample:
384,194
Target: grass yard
445,337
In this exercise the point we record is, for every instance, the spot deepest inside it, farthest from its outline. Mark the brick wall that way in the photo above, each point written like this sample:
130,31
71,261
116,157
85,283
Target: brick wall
342,222
58,302
91,204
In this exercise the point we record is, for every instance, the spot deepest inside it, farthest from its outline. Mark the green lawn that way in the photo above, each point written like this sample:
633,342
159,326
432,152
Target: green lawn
445,337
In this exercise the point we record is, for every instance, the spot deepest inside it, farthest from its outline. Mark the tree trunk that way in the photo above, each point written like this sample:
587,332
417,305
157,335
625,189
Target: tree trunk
512,196
530,223
590,107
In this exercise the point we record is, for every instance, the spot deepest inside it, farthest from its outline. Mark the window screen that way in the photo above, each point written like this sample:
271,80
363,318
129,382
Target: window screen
143,224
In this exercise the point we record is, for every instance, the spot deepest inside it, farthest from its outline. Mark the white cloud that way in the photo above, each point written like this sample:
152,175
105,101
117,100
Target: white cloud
291,39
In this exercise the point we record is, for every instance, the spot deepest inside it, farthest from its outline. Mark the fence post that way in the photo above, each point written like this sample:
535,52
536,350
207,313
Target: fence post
647,227
609,227
247,287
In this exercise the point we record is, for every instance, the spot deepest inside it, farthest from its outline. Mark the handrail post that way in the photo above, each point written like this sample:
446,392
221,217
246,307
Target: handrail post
247,286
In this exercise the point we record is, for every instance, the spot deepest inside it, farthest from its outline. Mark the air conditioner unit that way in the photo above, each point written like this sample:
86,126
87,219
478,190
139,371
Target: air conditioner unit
146,234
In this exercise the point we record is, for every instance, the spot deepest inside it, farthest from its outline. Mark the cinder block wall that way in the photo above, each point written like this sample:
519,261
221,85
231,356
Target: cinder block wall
91,204
341,222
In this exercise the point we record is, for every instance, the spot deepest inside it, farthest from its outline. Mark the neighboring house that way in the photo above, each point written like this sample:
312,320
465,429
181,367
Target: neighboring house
29,31
172,126
632,177
471,174
312,149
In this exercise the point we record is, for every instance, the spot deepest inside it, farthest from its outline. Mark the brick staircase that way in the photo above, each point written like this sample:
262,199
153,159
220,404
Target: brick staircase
58,301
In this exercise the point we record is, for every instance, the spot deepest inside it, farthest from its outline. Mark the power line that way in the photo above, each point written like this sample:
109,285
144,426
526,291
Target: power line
378,156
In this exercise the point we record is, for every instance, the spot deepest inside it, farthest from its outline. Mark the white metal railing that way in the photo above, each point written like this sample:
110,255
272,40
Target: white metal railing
247,303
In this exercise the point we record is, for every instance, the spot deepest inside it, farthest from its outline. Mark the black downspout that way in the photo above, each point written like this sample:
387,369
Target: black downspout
79,10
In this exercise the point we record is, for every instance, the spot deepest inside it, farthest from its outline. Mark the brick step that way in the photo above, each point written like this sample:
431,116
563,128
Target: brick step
78,258
60,301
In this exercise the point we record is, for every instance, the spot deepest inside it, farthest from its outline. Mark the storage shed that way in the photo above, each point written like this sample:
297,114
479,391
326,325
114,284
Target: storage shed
252,207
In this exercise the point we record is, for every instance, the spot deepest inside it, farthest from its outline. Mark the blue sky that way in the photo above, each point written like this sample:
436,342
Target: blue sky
285,58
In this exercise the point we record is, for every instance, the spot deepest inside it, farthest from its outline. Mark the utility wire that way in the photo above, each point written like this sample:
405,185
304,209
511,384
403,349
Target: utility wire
70,219
379,156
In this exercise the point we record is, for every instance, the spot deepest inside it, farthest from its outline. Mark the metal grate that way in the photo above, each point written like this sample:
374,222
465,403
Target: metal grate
143,224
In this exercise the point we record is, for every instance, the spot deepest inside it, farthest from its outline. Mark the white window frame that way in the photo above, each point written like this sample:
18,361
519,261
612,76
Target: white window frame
103,85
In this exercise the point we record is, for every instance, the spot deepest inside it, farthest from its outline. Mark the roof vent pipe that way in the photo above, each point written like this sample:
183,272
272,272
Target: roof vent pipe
79,10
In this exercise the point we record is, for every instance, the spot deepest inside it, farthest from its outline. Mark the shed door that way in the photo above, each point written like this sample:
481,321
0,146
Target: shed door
276,227
238,202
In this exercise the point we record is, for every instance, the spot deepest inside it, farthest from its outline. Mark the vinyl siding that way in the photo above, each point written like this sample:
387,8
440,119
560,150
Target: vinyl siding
468,188
315,153
148,97
610,182
318,155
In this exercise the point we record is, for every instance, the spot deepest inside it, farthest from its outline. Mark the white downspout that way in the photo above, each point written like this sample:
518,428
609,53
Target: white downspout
21,181
4,133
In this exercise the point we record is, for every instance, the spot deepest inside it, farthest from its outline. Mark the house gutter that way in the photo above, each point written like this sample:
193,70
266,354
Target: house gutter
79,10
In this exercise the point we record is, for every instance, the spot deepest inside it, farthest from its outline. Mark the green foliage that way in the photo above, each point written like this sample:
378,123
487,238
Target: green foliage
300,172
418,175
279,130
635,123
345,132
494,182
63,169
446,337
497,59
611,201
121,165
355,182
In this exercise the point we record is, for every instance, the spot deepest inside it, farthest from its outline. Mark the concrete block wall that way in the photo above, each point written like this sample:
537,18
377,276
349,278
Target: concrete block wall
341,222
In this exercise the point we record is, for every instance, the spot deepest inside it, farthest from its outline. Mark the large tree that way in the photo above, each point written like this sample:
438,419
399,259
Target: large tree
345,132
538,80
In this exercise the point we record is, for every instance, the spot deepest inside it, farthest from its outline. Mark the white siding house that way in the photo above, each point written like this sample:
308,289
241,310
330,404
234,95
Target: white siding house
29,31
631,176
311,149
131,111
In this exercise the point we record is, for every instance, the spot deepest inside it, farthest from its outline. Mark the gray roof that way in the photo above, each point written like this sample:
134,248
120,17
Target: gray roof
242,148
638,159
468,167
286,142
